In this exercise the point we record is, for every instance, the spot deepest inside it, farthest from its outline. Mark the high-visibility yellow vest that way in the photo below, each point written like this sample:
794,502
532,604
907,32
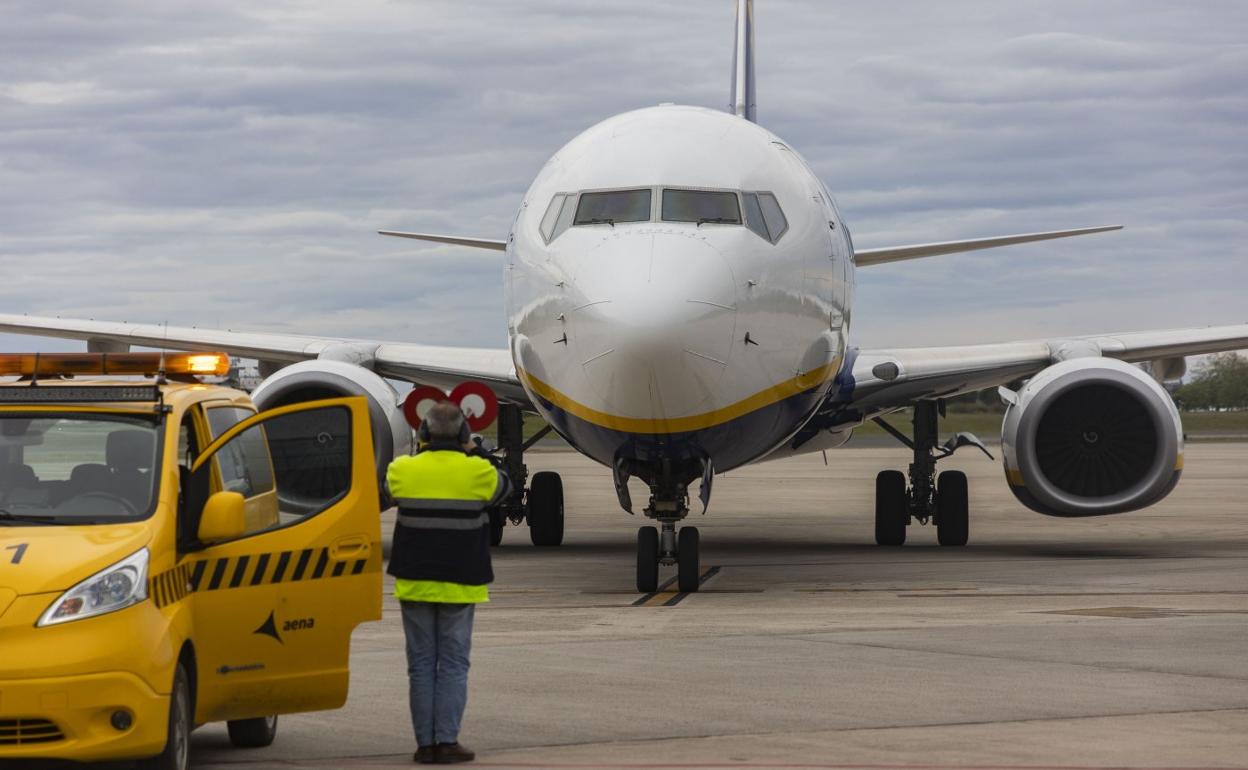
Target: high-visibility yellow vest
439,592
441,535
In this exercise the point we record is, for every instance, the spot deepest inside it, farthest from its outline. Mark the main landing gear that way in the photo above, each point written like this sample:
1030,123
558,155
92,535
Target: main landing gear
941,499
542,503
669,503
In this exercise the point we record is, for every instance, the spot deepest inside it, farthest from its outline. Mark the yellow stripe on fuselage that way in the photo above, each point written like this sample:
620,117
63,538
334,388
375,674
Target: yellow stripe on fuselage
776,393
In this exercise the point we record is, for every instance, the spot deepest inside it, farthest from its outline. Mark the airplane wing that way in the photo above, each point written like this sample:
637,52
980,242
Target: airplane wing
882,379
862,257
442,367
881,256
889,378
458,240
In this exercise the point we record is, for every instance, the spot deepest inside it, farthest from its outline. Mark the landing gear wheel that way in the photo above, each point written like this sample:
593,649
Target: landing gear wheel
497,521
687,572
952,508
891,516
252,733
647,559
177,752
546,509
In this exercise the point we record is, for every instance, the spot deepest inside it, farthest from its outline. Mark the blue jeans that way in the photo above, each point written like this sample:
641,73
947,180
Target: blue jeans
439,638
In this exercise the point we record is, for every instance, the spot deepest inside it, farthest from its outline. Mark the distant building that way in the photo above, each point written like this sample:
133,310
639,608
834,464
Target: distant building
243,375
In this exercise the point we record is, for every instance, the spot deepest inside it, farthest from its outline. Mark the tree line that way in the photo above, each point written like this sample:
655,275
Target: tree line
1222,383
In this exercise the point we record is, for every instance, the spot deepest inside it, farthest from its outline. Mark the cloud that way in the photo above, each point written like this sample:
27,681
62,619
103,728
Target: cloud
226,163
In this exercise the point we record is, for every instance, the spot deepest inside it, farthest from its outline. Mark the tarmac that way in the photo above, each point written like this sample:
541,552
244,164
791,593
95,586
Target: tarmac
1113,642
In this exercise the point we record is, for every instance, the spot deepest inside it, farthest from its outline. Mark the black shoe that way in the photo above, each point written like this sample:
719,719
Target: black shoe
424,755
452,753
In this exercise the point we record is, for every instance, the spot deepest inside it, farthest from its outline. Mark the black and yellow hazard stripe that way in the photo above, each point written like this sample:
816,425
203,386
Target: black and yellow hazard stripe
246,570
170,586
666,596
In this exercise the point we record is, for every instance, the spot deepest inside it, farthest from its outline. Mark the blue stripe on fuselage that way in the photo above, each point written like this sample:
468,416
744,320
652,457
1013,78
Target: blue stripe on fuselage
729,445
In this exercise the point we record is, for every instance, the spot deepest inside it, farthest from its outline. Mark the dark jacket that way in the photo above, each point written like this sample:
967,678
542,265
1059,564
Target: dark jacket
442,530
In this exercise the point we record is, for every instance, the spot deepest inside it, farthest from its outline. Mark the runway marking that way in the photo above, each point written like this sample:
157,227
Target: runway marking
665,597
404,760
662,587
1139,613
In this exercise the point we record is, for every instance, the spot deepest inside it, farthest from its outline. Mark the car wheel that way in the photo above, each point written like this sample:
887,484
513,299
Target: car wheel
252,733
177,753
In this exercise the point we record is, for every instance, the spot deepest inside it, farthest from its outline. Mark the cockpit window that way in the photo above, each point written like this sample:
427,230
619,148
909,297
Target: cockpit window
558,216
763,215
565,217
613,207
701,206
772,215
551,216
759,211
754,216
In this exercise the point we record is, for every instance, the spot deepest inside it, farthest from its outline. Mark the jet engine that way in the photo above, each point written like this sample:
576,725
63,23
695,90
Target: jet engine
1089,437
324,378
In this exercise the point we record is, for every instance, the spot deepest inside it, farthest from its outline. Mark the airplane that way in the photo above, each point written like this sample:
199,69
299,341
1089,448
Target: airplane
679,289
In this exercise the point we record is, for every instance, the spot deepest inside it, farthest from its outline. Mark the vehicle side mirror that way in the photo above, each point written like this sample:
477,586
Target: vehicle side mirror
224,518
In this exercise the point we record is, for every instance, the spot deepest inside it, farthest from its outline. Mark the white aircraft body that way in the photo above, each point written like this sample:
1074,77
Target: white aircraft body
679,289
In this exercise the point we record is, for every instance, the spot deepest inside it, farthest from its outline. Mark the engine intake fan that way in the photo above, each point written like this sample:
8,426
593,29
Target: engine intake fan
1091,436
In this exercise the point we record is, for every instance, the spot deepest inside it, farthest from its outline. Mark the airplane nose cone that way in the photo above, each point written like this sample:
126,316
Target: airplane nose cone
654,331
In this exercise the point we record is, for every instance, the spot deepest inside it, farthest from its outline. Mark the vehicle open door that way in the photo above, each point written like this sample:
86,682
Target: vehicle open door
285,560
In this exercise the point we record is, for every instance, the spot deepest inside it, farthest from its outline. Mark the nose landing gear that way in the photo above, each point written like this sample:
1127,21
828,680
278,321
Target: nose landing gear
665,546
667,549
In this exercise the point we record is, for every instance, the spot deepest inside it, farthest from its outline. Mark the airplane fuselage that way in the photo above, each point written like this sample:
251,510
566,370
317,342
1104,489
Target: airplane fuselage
673,341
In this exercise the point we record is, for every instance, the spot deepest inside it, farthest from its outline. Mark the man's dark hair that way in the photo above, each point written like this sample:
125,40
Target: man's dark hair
445,420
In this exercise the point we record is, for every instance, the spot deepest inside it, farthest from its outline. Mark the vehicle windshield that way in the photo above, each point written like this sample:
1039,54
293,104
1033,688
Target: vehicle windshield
76,468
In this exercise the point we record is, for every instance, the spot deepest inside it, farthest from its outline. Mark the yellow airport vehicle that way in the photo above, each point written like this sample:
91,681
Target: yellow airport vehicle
169,557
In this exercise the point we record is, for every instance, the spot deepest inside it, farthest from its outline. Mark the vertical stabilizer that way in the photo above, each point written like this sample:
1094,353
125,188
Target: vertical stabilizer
743,103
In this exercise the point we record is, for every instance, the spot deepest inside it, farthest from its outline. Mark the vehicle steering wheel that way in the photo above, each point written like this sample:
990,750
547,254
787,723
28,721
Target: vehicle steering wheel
125,503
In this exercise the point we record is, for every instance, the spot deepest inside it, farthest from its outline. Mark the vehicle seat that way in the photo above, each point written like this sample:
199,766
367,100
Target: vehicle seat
130,454
91,477
15,476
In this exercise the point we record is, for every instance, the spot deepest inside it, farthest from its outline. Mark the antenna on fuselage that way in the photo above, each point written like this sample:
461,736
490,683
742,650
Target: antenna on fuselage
743,103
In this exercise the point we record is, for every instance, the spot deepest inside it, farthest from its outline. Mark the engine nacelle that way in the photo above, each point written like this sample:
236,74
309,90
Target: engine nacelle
1089,437
314,380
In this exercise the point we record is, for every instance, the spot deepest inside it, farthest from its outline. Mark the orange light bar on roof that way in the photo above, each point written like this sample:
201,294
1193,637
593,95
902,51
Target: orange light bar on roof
144,364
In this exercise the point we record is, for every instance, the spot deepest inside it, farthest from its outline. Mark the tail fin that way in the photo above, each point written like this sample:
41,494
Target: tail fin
742,95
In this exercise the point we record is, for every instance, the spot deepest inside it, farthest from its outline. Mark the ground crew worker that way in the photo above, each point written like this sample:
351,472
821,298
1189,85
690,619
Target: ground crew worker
441,562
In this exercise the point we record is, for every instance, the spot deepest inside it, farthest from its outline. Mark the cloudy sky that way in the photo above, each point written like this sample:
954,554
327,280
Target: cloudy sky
225,163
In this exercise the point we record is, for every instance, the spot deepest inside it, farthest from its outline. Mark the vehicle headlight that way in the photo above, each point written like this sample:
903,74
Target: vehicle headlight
116,587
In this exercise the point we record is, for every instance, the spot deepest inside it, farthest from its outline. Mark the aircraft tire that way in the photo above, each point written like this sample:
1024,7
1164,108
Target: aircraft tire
497,522
546,509
647,559
688,576
952,509
891,516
